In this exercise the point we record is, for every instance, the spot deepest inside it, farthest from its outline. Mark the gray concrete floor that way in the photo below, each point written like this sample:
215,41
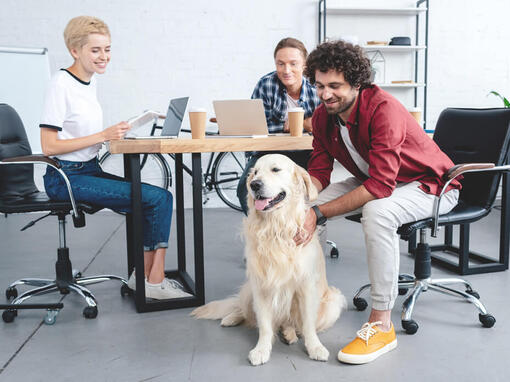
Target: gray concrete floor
122,345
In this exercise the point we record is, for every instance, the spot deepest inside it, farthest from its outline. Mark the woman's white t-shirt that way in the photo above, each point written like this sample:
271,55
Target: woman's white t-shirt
72,108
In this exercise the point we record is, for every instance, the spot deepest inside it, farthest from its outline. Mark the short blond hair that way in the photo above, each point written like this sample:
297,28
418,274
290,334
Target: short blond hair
79,28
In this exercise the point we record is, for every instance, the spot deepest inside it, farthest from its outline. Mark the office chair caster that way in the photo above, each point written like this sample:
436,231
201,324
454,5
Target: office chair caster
11,292
410,326
51,316
9,315
360,303
76,274
125,290
333,253
402,291
487,320
90,312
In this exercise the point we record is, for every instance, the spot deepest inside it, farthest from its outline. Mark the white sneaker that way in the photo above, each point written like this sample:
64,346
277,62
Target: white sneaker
167,289
131,283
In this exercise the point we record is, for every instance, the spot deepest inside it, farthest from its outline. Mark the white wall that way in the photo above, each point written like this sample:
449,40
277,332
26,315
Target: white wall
218,49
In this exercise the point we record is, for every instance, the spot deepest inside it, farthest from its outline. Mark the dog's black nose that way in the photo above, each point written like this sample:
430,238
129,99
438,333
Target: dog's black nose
256,185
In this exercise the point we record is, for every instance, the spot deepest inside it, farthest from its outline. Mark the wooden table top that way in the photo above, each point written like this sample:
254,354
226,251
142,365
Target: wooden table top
207,145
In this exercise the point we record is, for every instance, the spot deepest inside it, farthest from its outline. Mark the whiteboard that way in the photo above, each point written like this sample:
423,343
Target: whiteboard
24,75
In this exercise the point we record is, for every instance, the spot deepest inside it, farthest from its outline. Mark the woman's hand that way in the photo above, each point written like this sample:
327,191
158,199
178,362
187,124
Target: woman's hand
116,131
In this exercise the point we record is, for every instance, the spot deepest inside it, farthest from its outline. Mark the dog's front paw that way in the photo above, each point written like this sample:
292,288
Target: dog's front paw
318,352
259,355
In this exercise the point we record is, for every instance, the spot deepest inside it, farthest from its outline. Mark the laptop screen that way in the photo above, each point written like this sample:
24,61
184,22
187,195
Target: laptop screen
242,117
174,117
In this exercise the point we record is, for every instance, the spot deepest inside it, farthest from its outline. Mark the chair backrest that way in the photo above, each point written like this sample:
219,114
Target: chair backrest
15,180
475,135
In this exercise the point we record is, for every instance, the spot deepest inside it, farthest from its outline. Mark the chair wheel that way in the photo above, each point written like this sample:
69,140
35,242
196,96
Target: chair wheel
360,303
473,293
90,312
9,315
402,291
125,290
51,316
410,326
11,292
487,320
334,253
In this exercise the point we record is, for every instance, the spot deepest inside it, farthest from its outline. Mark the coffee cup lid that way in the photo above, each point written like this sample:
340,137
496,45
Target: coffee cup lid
414,109
296,109
197,109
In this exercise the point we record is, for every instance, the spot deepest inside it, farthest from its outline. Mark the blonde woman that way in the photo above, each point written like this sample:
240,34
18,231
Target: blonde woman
72,133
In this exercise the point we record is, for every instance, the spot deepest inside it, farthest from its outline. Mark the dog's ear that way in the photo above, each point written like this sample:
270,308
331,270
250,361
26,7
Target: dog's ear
310,189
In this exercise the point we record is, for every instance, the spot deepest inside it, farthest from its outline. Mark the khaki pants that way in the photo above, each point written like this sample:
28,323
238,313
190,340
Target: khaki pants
380,221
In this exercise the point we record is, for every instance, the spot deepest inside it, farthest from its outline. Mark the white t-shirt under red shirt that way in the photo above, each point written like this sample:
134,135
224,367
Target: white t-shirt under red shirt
356,157
71,107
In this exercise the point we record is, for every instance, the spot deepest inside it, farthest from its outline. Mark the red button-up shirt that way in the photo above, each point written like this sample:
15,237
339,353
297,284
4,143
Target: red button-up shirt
387,137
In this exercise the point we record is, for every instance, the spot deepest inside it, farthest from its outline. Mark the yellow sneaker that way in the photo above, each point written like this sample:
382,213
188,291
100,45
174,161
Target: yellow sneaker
369,344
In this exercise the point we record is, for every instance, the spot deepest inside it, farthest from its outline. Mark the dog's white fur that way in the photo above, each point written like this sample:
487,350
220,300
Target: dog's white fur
286,286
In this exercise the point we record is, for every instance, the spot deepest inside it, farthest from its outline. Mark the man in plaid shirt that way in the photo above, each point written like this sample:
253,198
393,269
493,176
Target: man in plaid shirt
273,94
281,90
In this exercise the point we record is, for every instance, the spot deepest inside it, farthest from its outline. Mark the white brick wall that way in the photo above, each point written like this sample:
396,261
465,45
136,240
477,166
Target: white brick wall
218,49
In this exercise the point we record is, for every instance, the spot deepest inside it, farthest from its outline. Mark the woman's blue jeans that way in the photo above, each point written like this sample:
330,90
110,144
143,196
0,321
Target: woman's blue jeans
91,184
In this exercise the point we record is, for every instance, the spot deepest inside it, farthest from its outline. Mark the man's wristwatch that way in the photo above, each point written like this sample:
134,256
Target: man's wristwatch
321,219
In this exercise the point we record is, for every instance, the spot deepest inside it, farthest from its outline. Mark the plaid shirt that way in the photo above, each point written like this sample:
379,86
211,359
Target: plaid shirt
274,96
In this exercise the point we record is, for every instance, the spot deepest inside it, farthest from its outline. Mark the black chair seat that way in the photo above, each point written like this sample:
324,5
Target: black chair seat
39,201
462,213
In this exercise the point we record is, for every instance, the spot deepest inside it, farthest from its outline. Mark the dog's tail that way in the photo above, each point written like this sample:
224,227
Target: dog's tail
332,304
217,310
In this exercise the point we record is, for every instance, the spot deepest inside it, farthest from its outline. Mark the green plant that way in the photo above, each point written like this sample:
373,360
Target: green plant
505,101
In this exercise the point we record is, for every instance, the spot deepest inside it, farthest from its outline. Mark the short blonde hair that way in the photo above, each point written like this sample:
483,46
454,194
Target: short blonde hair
79,28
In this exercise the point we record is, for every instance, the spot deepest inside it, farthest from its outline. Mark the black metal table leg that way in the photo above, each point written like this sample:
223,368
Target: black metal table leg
179,214
134,239
134,227
198,229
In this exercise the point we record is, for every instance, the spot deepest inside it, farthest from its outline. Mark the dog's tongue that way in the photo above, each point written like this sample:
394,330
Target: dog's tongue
260,204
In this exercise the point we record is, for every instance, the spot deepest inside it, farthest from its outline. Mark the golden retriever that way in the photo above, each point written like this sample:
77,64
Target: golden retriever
286,287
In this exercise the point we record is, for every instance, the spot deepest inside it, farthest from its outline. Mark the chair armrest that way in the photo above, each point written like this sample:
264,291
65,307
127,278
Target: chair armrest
460,168
453,173
78,217
33,159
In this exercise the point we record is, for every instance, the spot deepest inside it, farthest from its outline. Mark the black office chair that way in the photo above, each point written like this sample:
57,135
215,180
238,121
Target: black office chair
18,194
477,140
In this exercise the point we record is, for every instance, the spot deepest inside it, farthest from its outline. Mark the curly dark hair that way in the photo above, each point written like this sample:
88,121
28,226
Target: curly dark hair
342,57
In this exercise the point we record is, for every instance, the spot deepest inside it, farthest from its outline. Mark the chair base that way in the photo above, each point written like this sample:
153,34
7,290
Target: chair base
44,286
417,286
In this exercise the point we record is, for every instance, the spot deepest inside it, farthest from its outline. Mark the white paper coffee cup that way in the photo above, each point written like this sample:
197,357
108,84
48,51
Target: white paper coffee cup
197,121
416,112
296,119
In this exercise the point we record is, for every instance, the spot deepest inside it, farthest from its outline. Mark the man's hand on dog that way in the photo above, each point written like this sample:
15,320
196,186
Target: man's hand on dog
304,236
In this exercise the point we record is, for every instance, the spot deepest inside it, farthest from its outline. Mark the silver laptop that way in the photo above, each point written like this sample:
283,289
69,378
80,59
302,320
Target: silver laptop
173,121
241,118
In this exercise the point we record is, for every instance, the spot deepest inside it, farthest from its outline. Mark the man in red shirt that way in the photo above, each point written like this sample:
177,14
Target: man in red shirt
397,172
